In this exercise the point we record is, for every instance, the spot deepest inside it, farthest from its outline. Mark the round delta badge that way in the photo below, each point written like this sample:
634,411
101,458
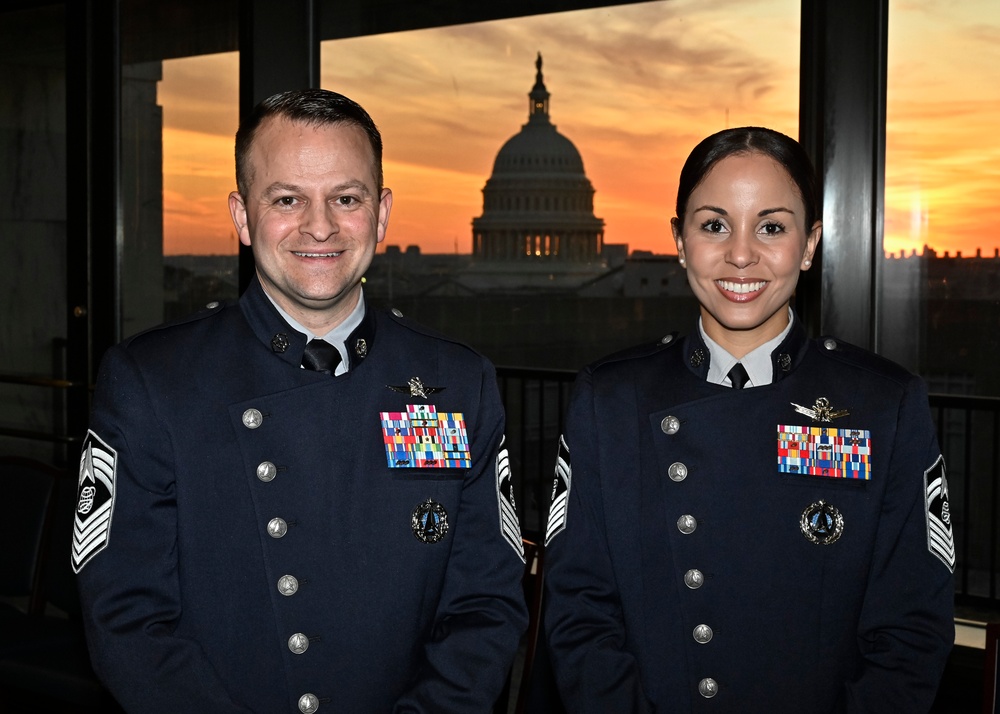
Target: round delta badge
822,523
429,522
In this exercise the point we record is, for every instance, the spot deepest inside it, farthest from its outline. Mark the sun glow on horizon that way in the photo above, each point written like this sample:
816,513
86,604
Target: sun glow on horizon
634,88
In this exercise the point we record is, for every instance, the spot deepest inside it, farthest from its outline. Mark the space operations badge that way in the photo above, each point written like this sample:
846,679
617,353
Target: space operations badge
940,538
510,528
95,500
423,438
824,451
560,493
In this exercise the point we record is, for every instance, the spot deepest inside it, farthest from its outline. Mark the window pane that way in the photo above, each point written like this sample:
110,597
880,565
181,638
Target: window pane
941,276
179,117
632,88
199,96
942,273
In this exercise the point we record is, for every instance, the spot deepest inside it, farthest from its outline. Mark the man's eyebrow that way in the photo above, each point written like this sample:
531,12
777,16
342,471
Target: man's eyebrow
282,187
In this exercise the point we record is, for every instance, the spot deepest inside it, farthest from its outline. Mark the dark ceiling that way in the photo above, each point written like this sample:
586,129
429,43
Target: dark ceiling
157,29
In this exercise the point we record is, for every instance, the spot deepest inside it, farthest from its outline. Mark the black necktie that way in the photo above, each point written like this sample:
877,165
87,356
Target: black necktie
738,376
320,356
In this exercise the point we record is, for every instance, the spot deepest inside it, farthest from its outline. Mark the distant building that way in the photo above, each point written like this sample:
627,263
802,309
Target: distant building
538,206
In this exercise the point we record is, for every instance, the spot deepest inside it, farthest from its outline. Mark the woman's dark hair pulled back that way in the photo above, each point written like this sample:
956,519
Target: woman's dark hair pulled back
750,140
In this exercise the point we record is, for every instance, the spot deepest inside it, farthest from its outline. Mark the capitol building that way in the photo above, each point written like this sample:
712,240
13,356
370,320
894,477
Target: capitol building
538,205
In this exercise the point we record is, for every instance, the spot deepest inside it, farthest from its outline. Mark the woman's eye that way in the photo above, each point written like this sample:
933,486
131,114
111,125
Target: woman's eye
772,229
713,226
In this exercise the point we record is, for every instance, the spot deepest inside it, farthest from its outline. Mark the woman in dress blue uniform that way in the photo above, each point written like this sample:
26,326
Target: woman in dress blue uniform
744,519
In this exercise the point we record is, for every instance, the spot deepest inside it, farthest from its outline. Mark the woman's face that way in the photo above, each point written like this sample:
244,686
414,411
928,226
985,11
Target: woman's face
743,243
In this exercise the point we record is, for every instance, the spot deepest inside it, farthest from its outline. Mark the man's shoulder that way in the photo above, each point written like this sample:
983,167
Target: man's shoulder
197,331
399,327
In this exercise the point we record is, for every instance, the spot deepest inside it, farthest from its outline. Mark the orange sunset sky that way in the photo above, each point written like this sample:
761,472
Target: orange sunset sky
634,87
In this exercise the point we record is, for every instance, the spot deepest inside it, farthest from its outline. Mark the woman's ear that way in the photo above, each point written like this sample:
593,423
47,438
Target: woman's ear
675,227
812,242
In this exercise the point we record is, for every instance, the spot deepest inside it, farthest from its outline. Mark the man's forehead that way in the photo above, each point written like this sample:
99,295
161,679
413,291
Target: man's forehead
276,134
288,127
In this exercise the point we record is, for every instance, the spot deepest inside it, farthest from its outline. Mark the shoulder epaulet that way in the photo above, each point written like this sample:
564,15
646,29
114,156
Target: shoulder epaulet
210,309
639,351
838,349
398,318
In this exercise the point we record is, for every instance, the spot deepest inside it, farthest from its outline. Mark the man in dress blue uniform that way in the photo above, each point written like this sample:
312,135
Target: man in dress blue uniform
294,503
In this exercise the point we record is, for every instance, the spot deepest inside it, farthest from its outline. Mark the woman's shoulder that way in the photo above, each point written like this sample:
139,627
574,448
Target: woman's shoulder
845,353
633,357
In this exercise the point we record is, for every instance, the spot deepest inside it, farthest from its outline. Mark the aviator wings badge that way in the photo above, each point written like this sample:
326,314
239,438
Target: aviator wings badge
415,388
821,410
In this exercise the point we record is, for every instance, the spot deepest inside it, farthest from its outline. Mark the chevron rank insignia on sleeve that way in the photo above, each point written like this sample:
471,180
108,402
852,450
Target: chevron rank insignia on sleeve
560,493
940,538
95,500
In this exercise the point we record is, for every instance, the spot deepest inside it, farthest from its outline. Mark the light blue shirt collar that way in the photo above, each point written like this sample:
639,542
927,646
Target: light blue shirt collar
337,336
757,363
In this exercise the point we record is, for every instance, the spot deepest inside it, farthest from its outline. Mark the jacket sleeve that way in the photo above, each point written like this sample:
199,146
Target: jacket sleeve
481,614
583,617
129,587
907,628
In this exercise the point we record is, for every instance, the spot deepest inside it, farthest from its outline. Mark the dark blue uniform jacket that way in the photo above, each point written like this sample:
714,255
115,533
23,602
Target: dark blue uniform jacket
680,572
187,605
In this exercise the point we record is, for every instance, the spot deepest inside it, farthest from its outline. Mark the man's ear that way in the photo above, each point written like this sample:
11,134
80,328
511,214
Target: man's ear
238,211
384,207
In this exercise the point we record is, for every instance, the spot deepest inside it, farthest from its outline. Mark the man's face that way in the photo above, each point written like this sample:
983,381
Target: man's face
312,217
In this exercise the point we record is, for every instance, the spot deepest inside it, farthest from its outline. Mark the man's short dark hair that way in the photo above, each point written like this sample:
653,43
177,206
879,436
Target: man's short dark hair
311,106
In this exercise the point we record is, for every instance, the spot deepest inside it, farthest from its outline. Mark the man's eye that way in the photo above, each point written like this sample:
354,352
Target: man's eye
347,200
286,201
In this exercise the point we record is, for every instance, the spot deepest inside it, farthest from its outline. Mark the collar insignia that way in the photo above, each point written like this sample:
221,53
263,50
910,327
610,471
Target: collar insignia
415,388
821,410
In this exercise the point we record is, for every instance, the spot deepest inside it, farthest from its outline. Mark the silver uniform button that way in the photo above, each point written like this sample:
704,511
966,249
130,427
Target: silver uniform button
686,524
212,305
830,343
298,643
702,634
288,585
677,471
396,312
667,340
252,418
670,425
694,578
708,687
266,471
308,703
277,527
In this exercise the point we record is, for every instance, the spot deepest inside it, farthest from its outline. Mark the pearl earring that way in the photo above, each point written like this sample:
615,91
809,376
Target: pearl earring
807,262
